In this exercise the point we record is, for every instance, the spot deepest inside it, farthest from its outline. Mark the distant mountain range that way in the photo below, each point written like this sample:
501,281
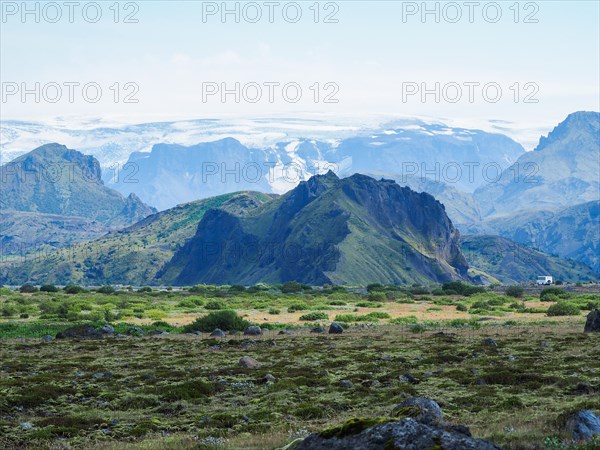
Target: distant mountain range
430,151
562,171
510,262
548,200
572,233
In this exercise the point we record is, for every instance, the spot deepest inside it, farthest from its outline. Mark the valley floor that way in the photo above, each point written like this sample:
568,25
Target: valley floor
185,391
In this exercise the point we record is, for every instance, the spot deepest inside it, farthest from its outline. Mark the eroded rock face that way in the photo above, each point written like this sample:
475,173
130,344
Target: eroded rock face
592,324
405,434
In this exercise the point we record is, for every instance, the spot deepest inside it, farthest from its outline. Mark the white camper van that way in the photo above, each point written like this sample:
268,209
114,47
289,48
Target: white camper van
545,279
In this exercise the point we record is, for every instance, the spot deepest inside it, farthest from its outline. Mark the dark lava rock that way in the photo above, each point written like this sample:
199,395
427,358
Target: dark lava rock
408,378
592,324
102,375
584,389
583,425
157,333
335,328
218,333
405,434
47,338
460,429
346,384
268,378
422,409
79,332
318,330
489,342
253,331
286,332
135,331
107,329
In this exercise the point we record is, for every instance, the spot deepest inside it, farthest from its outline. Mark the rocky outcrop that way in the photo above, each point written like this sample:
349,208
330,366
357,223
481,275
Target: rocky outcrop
405,434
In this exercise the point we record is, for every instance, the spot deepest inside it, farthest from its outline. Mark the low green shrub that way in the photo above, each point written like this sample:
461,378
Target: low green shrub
48,288
461,288
378,315
27,289
368,305
315,315
106,290
226,320
552,291
514,291
73,289
214,305
297,307
404,320
563,309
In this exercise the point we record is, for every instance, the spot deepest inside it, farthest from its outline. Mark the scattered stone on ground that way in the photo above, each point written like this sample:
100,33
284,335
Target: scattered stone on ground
135,331
489,342
107,329
157,333
217,332
583,425
248,362
592,324
408,378
253,331
268,378
335,328
79,332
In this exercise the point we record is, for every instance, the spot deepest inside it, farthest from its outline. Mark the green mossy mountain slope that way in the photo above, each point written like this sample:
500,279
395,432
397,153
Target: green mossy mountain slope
129,256
327,230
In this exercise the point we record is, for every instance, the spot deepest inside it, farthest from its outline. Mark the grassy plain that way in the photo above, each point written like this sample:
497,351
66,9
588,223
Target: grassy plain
180,390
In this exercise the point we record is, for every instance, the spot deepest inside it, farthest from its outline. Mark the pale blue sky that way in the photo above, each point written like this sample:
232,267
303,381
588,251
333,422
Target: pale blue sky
368,54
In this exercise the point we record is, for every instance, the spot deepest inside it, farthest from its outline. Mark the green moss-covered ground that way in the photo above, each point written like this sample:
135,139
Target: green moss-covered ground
181,391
